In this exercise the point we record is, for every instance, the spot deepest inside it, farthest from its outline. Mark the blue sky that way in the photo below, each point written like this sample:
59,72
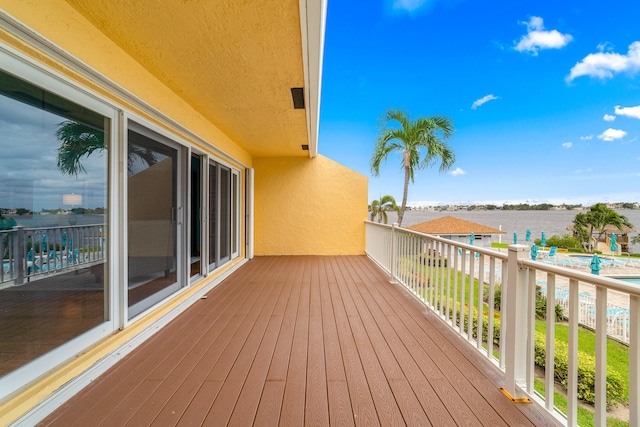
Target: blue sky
544,95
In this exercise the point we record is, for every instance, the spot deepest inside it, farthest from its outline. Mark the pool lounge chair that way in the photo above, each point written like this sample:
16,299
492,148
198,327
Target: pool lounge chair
551,257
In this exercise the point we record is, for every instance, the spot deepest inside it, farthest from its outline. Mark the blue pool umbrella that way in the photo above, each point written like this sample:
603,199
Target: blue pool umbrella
614,245
43,247
595,264
64,239
527,237
515,238
534,252
543,240
472,238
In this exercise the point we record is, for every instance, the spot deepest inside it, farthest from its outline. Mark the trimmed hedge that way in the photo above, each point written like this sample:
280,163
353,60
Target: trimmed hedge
586,362
586,372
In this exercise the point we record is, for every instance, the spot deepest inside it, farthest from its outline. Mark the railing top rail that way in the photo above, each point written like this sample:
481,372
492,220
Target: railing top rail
607,282
63,227
479,249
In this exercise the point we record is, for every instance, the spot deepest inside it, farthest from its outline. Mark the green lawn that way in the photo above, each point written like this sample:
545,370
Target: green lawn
585,416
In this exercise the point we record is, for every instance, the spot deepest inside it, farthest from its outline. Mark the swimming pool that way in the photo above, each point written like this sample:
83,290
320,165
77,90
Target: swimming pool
630,279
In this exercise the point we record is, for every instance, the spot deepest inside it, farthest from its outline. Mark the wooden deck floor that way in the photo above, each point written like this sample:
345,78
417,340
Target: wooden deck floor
301,341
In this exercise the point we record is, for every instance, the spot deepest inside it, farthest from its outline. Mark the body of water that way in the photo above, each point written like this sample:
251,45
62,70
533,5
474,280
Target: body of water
54,220
551,222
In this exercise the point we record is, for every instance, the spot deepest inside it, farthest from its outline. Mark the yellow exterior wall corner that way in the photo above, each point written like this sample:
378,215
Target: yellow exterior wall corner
308,207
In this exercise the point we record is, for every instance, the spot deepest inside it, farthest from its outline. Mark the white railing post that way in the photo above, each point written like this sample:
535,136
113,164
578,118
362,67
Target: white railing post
394,252
19,258
516,322
634,361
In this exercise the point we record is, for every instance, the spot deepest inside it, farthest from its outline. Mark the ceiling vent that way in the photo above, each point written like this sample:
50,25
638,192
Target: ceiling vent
297,93
305,147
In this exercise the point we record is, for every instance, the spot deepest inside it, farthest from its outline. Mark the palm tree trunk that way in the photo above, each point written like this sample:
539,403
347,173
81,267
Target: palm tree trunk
404,194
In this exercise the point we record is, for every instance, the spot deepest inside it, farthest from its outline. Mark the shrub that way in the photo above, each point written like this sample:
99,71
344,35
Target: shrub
586,372
586,362
541,308
566,241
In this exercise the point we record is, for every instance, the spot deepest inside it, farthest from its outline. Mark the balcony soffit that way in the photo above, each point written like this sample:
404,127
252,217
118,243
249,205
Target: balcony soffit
233,61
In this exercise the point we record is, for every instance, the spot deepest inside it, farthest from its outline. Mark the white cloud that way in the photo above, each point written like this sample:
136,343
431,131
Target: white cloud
408,5
628,111
538,38
483,100
582,170
586,138
567,145
457,172
612,134
605,64
609,118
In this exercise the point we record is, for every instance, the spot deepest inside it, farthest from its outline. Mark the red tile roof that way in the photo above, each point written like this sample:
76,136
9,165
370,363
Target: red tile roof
453,225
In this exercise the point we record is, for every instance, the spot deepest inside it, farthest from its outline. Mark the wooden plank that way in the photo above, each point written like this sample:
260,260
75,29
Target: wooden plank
268,413
200,404
249,399
364,410
317,405
233,365
412,411
332,350
340,413
292,412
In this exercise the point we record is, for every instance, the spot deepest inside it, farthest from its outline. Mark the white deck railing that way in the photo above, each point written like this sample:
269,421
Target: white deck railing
33,253
455,280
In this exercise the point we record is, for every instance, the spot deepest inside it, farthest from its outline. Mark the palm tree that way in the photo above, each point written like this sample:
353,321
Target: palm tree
583,230
597,220
420,144
78,141
379,208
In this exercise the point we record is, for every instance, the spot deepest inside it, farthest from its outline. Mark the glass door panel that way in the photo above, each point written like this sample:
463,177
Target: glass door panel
213,217
152,189
54,178
195,220
225,214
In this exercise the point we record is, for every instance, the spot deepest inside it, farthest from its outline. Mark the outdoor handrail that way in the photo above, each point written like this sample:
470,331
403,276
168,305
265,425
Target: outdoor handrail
73,245
608,282
406,254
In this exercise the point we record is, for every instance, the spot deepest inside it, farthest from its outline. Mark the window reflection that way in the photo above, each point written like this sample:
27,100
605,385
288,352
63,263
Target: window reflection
53,205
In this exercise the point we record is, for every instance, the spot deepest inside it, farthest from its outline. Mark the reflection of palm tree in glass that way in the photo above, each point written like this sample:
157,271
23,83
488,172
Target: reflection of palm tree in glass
79,141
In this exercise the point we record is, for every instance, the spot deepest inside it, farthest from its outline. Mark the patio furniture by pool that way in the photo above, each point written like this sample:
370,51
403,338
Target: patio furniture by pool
552,252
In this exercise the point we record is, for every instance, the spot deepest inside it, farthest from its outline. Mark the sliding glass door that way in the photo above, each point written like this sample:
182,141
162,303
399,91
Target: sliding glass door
220,219
153,218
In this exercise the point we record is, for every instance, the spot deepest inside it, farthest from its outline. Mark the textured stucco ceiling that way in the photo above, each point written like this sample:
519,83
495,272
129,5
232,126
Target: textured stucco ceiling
234,61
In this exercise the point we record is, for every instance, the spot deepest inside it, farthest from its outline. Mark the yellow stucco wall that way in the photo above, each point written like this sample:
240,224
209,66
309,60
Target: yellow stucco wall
66,28
308,206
